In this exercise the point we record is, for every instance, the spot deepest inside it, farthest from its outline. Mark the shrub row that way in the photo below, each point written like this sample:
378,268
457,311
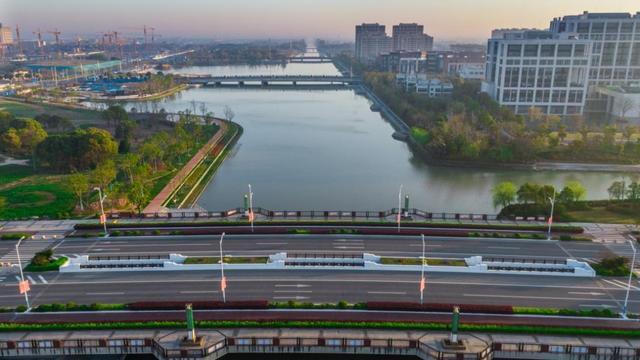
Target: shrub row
436,307
71,306
14,236
198,305
51,266
604,313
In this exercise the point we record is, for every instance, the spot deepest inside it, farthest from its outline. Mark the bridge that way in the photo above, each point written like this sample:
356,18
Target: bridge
266,80
310,59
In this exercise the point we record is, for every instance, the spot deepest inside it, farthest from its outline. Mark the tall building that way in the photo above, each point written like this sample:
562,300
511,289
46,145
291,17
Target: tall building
411,37
615,55
526,68
6,36
371,41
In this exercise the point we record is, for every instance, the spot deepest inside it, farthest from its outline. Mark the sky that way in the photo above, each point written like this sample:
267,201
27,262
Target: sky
451,20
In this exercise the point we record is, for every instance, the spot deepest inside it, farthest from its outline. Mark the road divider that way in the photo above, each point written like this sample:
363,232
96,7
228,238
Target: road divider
362,262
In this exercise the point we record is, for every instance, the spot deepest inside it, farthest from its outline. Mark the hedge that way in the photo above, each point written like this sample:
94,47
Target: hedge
14,236
52,266
198,305
436,307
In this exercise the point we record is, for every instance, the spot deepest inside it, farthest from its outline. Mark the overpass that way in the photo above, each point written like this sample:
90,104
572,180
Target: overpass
266,80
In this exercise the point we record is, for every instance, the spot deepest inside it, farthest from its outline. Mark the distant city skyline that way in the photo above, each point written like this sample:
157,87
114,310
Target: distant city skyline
452,20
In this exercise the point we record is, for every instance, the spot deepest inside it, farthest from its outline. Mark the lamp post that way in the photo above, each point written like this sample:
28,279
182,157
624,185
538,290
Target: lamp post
103,217
399,207
422,280
223,280
553,202
626,298
24,286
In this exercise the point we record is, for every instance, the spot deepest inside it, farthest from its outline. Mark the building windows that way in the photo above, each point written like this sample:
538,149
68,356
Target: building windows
626,28
548,51
578,77
613,28
511,77
526,96
564,50
510,95
635,54
623,54
605,74
559,96
544,77
575,96
597,28
634,74
514,50
579,50
620,74
556,110
528,77
593,74
561,77
543,96
608,54
531,50
583,28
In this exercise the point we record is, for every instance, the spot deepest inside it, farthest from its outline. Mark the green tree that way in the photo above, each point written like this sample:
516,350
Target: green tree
528,192
573,191
114,115
633,191
138,195
617,190
104,174
78,183
10,142
127,163
504,194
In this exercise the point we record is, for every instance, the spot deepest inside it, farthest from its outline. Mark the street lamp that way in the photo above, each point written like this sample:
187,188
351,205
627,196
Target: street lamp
399,207
626,298
553,201
223,280
251,216
422,281
23,286
103,217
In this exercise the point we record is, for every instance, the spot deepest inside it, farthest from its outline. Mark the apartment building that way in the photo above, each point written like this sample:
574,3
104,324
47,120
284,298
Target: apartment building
411,37
371,41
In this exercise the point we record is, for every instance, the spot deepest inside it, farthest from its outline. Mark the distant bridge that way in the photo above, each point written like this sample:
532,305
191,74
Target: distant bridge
310,59
266,80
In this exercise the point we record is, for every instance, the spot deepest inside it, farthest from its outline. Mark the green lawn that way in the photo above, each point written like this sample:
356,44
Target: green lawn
49,199
52,266
11,173
602,215
78,117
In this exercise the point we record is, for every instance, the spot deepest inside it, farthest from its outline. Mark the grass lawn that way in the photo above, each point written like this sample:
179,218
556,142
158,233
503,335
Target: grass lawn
602,215
52,266
11,173
37,198
78,117
227,260
416,261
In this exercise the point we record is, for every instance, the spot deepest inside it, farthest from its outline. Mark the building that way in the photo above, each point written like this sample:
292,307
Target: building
72,68
6,36
615,56
622,102
371,41
434,87
527,69
400,61
470,71
411,37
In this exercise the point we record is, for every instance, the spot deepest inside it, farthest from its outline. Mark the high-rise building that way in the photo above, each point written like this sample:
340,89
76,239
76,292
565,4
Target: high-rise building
6,36
411,37
371,41
528,68
615,55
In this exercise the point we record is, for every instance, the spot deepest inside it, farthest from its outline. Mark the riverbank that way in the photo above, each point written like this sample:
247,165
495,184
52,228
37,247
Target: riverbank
150,97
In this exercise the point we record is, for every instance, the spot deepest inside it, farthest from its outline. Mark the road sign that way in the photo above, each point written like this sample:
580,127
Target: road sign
223,283
422,284
24,286
103,218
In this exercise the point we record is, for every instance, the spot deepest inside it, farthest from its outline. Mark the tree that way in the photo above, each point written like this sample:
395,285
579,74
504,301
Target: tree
228,113
545,192
114,114
573,191
504,194
127,163
3,203
79,184
527,193
10,142
617,190
104,174
138,195
626,106
633,191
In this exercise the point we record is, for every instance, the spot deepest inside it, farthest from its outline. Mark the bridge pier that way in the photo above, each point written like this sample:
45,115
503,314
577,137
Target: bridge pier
240,83
265,83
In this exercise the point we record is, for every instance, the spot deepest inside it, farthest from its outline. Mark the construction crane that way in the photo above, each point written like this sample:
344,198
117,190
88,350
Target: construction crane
39,34
18,39
56,34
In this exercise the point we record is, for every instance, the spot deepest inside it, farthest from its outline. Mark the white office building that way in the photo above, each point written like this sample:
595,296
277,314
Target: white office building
528,68
371,41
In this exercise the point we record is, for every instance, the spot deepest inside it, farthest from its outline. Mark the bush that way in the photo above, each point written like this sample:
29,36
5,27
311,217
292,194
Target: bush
612,266
437,307
198,305
21,308
14,236
51,266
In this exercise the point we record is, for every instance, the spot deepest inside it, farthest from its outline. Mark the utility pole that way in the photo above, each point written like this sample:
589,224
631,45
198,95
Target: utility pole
103,217
422,280
223,280
24,285
399,207
251,214
553,201
626,297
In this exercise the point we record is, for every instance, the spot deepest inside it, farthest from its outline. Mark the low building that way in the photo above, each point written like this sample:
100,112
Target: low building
63,68
434,87
470,71
623,102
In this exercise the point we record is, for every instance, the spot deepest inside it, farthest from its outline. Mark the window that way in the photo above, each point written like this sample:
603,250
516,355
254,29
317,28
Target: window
559,96
511,77
543,96
557,110
620,74
583,28
578,77
548,51
634,74
579,50
593,74
613,27
597,28
514,50
626,27
635,54
528,77
544,77
334,342
608,53
561,77
526,96
605,74
564,50
531,50
623,54
575,96
510,96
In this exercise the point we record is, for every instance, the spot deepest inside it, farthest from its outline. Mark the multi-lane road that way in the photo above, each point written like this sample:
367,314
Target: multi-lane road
326,285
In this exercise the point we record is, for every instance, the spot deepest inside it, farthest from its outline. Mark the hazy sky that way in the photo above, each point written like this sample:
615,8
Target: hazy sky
335,19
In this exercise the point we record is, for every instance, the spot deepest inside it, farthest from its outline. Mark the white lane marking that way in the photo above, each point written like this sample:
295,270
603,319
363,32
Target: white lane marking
199,292
293,291
292,285
18,278
536,297
105,293
387,292
271,243
44,281
349,247
10,296
428,245
504,247
586,293
290,297
348,240
31,279
620,284
595,305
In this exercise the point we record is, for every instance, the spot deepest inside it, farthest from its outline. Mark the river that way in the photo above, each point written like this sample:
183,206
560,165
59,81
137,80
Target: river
325,150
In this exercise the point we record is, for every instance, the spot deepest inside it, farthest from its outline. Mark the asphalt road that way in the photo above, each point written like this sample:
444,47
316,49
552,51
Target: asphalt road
332,244
324,286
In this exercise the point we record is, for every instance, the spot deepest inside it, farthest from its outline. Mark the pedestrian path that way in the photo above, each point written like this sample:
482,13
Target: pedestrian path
608,233
28,248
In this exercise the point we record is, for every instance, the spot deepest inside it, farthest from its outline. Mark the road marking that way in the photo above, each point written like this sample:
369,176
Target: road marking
292,291
31,279
349,247
290,297
105,293
586,293
200,292
387,292
348,240
428,245
271,243
44,281
503,247
619,284
595,305
535,297
293,285
18,278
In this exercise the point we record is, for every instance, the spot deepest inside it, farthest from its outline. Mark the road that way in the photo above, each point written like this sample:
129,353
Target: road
331,244
323,286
